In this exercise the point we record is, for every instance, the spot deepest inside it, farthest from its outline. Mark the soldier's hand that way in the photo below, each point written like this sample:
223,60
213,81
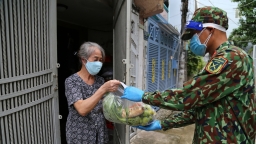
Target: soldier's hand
155,125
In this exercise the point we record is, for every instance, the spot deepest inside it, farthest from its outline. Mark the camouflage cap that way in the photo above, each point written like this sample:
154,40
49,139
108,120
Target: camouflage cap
207,15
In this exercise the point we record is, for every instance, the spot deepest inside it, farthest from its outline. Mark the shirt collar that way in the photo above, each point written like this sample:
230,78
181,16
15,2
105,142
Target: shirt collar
223,46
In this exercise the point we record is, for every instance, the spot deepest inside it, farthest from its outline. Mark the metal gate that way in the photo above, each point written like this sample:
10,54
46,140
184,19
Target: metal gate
163,52
28,80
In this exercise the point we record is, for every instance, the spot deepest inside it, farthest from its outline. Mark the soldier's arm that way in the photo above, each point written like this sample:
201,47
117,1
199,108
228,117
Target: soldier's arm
181,119
204,88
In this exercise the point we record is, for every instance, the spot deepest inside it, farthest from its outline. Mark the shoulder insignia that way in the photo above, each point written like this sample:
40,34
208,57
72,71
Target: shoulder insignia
216,65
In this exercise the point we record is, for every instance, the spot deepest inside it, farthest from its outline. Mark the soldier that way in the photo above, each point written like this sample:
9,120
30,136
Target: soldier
220,99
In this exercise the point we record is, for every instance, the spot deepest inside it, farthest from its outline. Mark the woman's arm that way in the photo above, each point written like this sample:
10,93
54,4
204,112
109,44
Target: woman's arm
85,106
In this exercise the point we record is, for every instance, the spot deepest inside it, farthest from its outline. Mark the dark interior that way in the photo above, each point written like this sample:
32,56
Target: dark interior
80,21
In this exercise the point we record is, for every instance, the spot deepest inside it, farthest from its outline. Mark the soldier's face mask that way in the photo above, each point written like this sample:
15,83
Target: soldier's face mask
196,46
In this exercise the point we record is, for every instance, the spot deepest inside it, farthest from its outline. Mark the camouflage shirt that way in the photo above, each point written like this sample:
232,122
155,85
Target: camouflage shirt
219,100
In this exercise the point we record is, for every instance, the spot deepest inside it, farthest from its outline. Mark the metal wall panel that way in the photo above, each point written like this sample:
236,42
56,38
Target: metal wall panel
134,57
134,52
27,113
122,54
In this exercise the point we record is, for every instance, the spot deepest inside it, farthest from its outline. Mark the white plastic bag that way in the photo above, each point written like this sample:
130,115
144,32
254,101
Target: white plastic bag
123,111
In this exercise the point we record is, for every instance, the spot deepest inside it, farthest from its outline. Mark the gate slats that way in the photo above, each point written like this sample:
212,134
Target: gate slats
48,122
2,129
35,120
29,38
44,119
5,73
20,45
33,48
15,50
44,33
39,121
14,38
47,35
39,15
20,122
23,119
3,50
26,98
27,123
13,123
40,30
19,36
50,102
34,35
9,117
10,41
6,124
8,74
44,37
31,120
1,47
2,124
37,42
17,121
27,64
23,64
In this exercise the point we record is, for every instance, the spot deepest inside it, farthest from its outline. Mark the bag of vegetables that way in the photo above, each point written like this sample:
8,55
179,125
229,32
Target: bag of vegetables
123,111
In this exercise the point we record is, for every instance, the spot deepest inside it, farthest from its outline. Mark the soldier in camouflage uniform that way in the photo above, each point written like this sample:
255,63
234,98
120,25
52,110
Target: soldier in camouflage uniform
219,100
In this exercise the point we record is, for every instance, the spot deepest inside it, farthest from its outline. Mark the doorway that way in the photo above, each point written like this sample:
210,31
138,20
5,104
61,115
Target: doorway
79,21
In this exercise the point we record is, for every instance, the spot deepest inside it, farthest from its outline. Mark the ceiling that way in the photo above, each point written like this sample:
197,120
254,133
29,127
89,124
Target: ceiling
93,14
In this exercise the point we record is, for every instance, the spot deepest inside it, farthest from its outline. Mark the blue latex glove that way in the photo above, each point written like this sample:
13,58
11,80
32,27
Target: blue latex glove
155,125
132,94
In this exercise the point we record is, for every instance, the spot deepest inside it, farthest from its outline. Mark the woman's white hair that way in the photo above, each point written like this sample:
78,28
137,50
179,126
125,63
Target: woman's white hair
88,48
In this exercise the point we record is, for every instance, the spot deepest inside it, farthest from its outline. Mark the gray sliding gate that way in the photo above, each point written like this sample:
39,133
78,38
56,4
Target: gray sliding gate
28,68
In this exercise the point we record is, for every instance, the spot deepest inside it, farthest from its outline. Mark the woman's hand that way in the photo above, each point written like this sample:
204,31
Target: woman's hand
110,86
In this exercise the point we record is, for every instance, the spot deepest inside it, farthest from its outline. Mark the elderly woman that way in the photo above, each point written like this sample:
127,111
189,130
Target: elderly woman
84,91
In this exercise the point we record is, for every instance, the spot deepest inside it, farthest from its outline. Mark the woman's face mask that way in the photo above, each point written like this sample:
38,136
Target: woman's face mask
93,67
196,46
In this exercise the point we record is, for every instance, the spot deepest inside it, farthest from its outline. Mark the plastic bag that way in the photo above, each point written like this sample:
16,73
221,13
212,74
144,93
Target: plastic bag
123,111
